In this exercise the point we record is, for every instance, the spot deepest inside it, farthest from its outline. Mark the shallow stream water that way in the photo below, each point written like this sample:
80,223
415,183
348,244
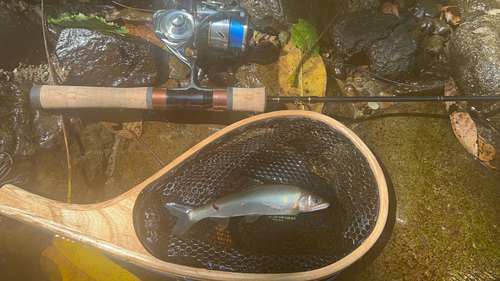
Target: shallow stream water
444,204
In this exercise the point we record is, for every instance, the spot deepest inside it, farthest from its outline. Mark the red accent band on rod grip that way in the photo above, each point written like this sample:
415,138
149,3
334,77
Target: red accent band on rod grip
220,98
159,98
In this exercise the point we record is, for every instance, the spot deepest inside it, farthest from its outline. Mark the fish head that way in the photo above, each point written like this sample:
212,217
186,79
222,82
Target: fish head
309,202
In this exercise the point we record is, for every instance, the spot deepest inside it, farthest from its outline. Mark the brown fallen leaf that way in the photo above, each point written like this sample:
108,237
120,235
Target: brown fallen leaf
389,8
451,14
486,152
145,31
462,124
466,131
311,77
479,30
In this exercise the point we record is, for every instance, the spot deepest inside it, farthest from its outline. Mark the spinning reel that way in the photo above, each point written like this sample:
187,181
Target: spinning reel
211,31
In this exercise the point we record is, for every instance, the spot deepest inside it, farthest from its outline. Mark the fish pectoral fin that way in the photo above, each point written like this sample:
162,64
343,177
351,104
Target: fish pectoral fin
247,183
251,218
292,212
223,222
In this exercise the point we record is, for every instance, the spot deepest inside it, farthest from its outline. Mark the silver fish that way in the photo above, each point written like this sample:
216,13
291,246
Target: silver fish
267,199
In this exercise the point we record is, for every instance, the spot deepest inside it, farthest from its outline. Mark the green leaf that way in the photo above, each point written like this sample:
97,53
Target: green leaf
92,23
303,36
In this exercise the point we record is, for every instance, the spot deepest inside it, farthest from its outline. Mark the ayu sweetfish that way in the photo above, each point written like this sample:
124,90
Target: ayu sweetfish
267,199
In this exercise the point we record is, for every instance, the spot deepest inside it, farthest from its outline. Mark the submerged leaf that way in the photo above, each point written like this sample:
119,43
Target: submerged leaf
486,152
311,77
389,8
462,124
465,130
144,31
125,129
65,260
92,23
304,35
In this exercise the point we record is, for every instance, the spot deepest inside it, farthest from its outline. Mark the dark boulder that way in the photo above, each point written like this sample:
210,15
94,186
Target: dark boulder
377,39
474,56
100,59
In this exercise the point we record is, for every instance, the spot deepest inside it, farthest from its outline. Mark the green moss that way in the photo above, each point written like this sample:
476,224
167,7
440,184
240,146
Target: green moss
447,201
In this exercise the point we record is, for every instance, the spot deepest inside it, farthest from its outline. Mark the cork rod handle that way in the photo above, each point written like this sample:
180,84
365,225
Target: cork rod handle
58,97
147,98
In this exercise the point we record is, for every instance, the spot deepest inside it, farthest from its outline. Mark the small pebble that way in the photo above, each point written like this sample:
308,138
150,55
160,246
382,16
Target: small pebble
384,105
373,105
349,90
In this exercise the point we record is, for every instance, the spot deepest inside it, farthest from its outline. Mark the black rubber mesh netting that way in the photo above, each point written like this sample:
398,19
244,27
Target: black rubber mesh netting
290,150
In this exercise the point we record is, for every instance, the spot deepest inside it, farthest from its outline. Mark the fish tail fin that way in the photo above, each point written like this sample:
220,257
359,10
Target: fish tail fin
181,212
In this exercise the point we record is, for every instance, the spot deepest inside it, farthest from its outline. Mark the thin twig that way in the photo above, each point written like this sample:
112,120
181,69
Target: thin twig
121,5
146,148
306,56
63,123
68,157
51,73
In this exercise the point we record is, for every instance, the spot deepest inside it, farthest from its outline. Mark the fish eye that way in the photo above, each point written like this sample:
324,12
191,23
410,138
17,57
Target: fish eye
315,200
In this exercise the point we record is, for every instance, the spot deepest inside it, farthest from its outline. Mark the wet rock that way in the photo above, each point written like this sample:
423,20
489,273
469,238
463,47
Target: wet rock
440,27
48,130
256,76
266,15
101,59
429,7
20,39
178,69
360,5
265,53
374,38
474,58
434,45
16,114
90,148
472,8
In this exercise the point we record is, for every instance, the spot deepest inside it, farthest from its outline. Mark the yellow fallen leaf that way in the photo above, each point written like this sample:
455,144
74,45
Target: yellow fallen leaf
311,76
65,260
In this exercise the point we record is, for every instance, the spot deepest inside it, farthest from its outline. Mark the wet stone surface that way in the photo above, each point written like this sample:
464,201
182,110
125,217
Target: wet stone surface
446,223
100,59
474,59
374,38
16,114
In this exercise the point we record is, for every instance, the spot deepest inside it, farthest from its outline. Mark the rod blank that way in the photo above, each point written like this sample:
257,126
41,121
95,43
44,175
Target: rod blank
314,99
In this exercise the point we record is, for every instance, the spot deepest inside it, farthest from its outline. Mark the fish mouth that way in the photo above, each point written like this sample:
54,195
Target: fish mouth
321,206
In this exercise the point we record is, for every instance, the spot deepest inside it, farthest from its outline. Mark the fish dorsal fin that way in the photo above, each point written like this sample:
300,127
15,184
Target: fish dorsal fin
247,183
251,218
223,222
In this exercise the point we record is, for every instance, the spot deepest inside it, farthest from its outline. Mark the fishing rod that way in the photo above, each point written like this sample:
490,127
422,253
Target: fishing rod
217,32
315,99
232,99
